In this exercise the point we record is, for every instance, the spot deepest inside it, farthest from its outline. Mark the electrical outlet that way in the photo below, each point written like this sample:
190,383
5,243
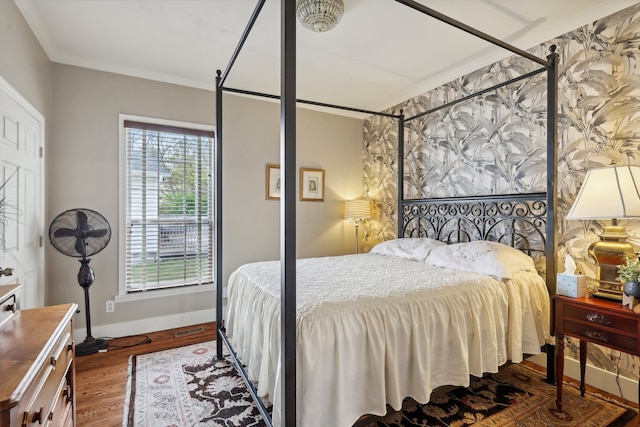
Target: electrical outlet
111,306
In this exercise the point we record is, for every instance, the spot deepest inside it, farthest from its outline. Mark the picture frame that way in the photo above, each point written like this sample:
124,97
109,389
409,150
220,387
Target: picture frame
273,182
312,185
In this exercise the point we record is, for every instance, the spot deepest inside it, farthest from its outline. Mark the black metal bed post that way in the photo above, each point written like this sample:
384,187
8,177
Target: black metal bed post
478,93
400,173
552,161
307,102
243,38
218,210
552,196
288,213
220,79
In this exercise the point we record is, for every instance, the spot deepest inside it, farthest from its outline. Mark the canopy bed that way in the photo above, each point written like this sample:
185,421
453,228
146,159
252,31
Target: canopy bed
301,339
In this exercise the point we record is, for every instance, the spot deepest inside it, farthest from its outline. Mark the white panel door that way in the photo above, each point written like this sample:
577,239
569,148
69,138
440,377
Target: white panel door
21,197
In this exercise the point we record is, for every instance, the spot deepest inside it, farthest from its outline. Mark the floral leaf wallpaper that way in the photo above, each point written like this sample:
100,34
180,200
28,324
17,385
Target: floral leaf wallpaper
496,143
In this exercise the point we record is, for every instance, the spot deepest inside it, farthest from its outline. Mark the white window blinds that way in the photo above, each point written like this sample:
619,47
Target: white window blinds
169,206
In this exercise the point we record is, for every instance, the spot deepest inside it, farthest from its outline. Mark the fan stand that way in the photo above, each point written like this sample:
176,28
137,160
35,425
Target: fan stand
90,345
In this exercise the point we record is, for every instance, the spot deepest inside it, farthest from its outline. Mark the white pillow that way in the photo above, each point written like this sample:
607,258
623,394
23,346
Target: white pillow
492,258
415,249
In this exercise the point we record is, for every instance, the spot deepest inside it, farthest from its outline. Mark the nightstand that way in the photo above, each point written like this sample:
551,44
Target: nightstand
603,322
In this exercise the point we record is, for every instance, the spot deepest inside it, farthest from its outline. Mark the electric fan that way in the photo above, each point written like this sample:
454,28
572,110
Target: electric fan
81,233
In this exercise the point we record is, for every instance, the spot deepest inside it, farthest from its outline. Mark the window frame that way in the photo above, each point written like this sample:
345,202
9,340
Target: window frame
123,295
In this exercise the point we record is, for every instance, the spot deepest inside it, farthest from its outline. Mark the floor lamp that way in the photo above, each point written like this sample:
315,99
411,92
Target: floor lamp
611,192
357,211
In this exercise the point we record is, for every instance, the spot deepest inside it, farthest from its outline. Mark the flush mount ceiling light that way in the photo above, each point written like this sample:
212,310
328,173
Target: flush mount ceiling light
319,15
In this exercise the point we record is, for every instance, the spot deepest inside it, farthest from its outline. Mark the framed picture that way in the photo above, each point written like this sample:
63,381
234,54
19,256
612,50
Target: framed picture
273,182
312,185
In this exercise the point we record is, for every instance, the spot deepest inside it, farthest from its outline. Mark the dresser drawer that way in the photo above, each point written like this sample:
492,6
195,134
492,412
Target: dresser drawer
608,337
62,407
599,318
8,307
50,377
68,418
9,302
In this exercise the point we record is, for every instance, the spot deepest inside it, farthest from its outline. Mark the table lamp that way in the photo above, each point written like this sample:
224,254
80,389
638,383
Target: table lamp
613,193
357,211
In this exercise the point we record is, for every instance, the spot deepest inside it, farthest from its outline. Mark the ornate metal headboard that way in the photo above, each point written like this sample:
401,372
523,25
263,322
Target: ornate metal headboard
516,220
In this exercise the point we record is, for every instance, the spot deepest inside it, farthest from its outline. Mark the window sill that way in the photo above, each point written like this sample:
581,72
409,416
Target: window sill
161,293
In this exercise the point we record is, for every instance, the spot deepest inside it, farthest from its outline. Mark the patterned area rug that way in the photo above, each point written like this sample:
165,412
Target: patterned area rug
182,387
516,396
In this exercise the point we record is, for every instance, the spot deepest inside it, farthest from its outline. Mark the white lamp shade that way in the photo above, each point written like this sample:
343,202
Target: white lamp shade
357,209
608,193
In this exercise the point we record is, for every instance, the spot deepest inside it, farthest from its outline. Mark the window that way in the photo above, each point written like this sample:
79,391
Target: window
169,205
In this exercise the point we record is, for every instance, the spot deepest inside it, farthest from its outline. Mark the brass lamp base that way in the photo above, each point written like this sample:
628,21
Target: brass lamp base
608,253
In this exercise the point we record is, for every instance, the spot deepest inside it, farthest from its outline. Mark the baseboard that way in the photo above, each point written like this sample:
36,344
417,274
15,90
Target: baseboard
144,326
596,377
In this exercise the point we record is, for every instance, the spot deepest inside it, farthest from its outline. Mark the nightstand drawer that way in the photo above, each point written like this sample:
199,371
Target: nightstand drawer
599,318
603,336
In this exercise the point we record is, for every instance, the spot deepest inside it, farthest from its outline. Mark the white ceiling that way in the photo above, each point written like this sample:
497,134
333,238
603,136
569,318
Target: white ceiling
380,54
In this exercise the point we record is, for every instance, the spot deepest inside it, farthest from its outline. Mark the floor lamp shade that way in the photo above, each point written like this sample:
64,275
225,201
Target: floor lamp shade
357,209
609,193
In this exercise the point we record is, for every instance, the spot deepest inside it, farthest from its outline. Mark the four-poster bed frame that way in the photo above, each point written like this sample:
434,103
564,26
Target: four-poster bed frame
409,211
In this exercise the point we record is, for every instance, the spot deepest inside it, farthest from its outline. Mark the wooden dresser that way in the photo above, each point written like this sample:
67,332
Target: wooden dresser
37,368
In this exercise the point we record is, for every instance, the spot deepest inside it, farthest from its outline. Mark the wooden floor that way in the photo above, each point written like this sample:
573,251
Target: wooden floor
101,378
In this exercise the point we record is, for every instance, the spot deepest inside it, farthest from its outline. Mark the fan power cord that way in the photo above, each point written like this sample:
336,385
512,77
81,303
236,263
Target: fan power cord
144,339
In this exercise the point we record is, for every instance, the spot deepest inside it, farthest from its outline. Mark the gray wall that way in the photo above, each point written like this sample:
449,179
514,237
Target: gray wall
24,63
27,69
83,172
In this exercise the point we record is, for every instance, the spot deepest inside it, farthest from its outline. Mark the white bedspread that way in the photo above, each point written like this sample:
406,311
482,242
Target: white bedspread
374,329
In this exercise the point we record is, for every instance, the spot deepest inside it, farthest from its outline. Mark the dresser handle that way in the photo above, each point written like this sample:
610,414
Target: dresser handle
598,318
70,346
38,416
597,335
67,393
50,417
53,361
11,307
